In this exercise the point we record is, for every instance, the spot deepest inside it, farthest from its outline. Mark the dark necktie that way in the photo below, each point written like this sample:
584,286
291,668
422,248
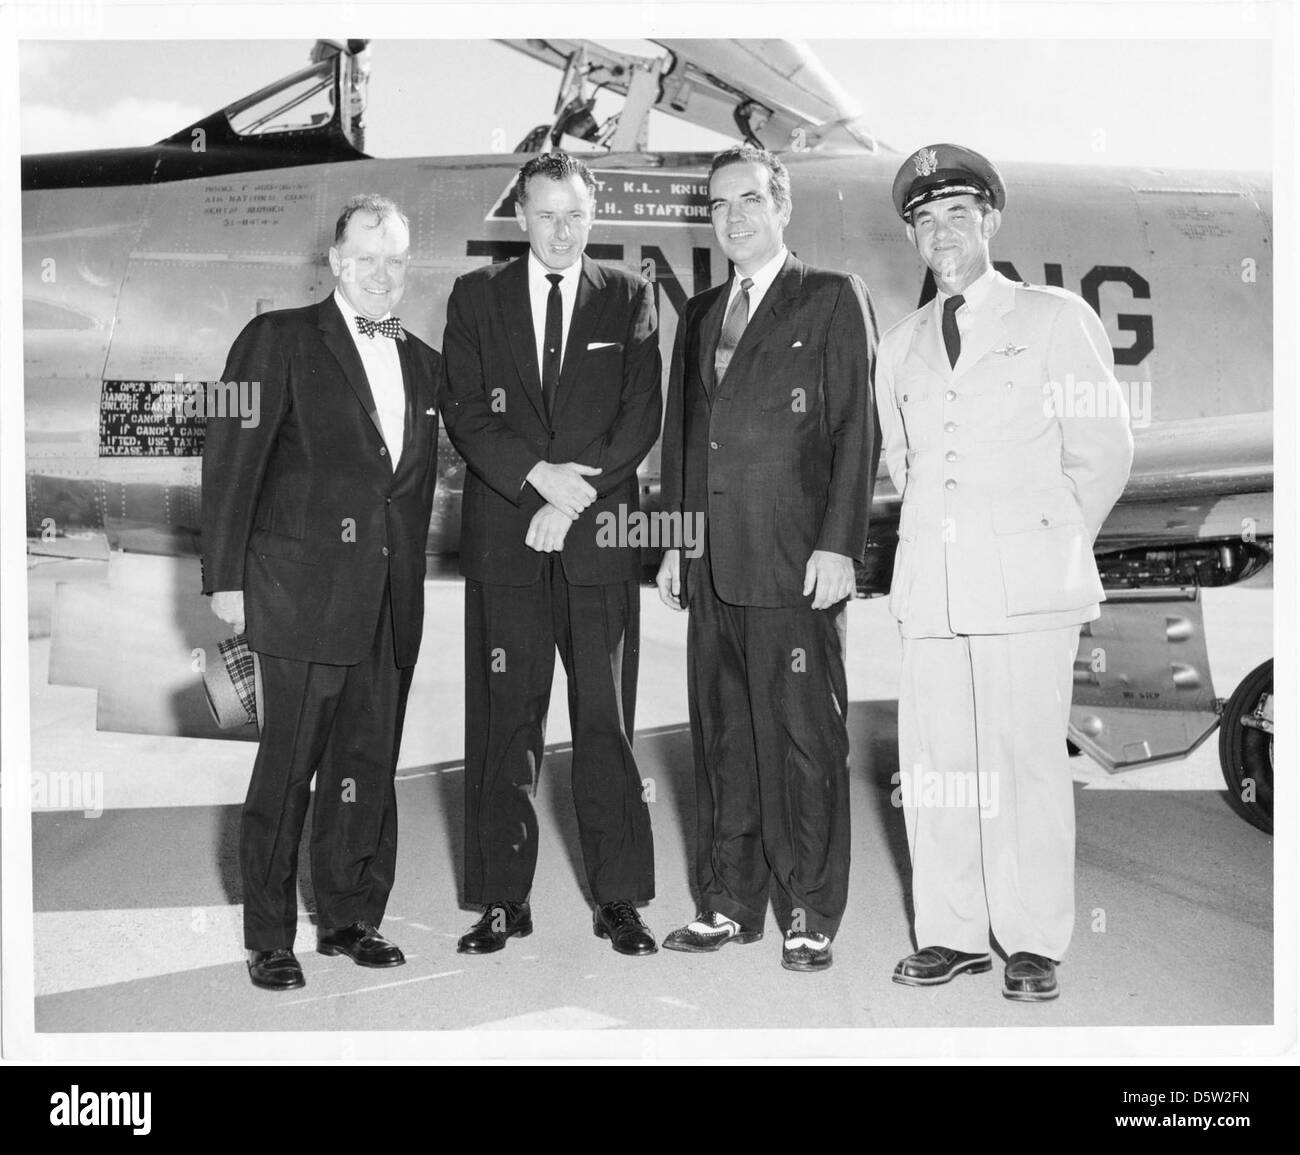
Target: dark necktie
388,327
951,334
732,327
552,342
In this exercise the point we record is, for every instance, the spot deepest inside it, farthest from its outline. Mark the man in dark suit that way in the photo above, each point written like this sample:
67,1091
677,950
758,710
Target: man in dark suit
553,399
770,439
315,518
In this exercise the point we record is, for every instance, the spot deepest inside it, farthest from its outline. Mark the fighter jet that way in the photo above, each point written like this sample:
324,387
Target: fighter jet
141,265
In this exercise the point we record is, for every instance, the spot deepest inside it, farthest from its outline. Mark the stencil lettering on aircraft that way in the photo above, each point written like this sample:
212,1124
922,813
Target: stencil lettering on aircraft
635,198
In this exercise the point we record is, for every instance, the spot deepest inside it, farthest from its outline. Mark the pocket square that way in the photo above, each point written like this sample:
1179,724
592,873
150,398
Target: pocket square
797,345
601,345
430,412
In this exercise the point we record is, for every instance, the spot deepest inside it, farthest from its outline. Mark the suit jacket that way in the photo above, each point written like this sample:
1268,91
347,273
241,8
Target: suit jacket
303,510
606,413
780,458
1007,463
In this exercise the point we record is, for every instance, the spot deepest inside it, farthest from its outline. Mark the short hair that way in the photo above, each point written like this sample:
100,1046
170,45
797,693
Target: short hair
553,166
778,176
382,207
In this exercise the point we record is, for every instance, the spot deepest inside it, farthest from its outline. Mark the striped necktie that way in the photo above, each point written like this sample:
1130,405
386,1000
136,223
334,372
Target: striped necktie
732,328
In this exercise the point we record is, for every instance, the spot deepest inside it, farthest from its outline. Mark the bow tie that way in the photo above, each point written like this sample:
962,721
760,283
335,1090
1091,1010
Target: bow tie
388,327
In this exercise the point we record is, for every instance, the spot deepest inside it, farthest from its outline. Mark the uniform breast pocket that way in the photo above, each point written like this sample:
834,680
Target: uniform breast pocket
1021,403
913,395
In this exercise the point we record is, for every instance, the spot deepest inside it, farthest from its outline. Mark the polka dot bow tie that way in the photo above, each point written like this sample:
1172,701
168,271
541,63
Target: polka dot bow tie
388,327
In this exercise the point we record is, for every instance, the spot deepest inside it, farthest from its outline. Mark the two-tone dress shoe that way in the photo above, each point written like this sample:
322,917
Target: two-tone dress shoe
709,932
362,943
1030,978
932,965
275,970
805,951
500,921
619,922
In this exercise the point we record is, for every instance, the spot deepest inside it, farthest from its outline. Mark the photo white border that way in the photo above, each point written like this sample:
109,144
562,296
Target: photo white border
979,19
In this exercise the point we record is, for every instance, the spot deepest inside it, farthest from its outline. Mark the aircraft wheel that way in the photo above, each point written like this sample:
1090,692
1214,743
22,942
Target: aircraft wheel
1246,747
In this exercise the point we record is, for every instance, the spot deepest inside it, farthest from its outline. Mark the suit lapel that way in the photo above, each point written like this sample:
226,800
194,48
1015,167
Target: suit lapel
588,306
339,342
517,318
784,289
411,391
927,342
990,326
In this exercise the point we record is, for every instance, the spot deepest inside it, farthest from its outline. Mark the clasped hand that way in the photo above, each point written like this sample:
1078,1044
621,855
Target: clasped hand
547,530
563,485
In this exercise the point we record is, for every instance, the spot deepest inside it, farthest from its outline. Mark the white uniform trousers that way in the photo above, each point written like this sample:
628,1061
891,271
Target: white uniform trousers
986,789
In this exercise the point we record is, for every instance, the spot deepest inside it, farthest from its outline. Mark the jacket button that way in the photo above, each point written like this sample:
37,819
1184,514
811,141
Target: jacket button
950,456
552,436
950,427
905,397
383,452
714,445
950,395
385,551
388,501
1046,522
951,483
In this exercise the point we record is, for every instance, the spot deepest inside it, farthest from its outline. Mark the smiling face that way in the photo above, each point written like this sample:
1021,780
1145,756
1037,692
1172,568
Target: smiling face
750,227
557,216
369,263
952,235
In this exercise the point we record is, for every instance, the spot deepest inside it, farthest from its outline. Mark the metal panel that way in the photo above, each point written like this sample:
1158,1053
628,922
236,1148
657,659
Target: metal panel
1142,685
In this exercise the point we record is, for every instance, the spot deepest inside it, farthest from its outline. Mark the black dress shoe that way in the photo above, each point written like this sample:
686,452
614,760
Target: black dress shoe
500,921
932,965
702,942
803,957
619,922
362,943
1030,978
276,970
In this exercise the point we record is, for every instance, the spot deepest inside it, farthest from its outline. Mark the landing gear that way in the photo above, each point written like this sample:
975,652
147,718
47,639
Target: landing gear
1246,747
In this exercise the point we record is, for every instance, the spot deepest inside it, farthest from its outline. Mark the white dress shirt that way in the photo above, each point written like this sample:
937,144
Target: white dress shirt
974,296
762,281
539,289
383,366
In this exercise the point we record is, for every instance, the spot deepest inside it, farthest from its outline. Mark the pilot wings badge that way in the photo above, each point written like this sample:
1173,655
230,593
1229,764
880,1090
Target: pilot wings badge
926,161
1011,349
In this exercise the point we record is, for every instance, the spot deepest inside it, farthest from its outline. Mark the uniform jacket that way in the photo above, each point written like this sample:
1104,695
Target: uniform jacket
781,457
303,510
1007,463
606,413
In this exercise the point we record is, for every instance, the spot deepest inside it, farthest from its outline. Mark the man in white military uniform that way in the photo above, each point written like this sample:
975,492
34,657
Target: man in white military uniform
1008,438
